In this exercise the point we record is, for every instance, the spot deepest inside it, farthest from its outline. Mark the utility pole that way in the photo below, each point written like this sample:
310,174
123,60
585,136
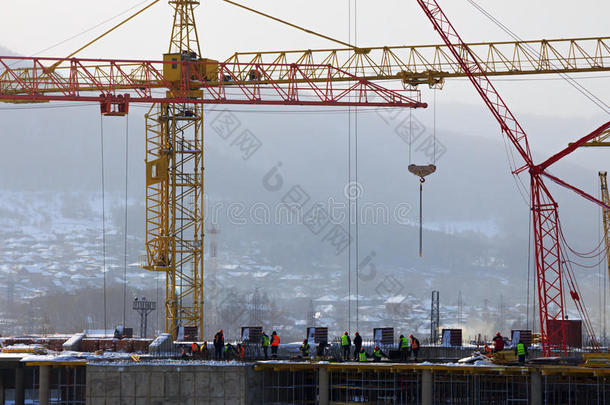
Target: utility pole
434,317
501,313
144,307
311,314
460,309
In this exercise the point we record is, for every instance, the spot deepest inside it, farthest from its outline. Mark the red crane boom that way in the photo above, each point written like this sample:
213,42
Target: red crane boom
38,80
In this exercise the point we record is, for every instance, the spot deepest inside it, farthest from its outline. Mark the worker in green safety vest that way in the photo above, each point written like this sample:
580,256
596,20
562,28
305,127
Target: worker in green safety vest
346,343
521,351
378,354
304,349
265,344
362,355
404,348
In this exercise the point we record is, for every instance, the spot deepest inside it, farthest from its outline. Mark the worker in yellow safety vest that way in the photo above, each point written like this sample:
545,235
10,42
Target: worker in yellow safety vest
521,351
378,354
362,355
265,344
304,349
346,343
404,348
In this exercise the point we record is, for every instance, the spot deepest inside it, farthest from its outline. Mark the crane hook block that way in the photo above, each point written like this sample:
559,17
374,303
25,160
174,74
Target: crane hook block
111,105
422,171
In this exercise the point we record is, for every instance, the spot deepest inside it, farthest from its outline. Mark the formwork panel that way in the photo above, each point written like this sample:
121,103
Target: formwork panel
374,387
560,390
479,389
290,387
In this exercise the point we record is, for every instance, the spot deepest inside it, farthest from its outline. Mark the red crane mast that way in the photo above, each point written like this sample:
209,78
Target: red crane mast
550,263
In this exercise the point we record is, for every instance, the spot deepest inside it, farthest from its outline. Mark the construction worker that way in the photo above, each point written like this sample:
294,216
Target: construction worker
521,352
183,355
404,348
378,354
320,349
304,348
488,351
241,352
195,350
362,355
346,343
414,346
204,351
219,344
498,342
357,345
275,344
229,352
265,344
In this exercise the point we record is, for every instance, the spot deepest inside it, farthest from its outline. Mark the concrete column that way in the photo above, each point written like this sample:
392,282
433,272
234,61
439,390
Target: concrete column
19,385
323,386
43,385
426,387
535,388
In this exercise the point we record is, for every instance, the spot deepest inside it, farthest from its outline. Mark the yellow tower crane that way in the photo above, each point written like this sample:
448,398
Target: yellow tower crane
174,186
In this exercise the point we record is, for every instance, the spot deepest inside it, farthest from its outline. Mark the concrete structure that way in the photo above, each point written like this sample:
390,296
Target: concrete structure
118,379
176,383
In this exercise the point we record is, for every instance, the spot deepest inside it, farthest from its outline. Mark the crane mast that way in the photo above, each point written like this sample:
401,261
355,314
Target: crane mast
174,188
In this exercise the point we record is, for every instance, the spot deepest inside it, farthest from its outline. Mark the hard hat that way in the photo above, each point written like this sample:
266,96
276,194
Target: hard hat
346,332
376,347
410,336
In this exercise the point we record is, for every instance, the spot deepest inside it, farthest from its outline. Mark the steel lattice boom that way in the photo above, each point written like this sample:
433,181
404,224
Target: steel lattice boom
432,64
196,82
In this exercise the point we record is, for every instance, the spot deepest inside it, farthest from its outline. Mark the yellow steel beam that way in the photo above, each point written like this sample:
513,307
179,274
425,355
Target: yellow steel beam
432,64
601,140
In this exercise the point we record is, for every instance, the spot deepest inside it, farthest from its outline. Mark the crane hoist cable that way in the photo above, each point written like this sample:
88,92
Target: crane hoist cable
574,83
103,216
422,170
126,217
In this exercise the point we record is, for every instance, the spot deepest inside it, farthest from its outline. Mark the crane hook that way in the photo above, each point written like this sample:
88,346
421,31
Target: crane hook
422,172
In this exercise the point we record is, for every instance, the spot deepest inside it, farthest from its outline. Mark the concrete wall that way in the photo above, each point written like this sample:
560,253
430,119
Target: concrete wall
179,383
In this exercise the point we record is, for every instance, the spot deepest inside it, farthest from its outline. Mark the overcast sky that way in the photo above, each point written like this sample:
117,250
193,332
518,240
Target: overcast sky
37,24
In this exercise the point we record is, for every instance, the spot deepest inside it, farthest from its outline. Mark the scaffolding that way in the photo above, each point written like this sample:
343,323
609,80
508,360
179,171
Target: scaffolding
373,387
393,383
